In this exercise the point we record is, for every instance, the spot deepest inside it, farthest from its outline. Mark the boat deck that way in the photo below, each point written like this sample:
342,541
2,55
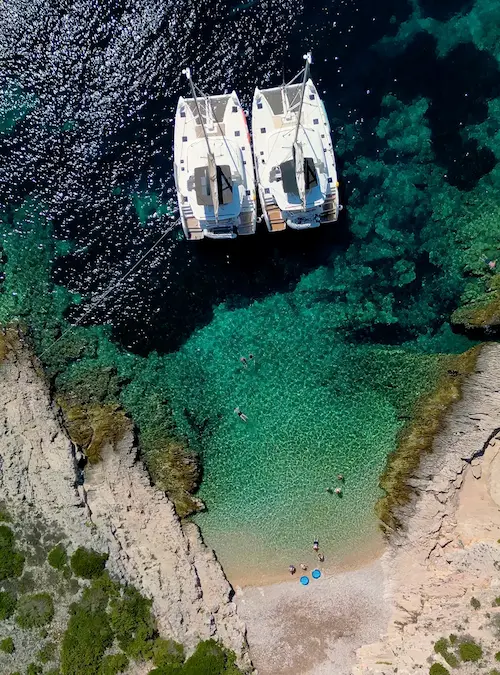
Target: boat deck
276,222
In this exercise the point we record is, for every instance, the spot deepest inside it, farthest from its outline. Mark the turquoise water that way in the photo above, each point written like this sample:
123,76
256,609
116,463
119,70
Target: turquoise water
316,408
348,325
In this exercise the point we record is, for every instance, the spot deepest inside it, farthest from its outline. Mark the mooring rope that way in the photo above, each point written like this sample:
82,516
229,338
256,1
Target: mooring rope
97,301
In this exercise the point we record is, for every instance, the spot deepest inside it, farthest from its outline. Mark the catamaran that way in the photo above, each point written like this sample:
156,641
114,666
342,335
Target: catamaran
294,158
213,167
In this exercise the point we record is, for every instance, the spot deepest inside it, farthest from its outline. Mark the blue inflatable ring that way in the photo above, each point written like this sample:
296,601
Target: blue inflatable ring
304,580
315,574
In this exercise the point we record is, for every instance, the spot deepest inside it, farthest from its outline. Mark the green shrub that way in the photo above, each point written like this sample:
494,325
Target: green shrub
210,658
4,515
27,583
494,672
8,602
453,639
34,669
85,641
87,563
133,623
113,664
441,647
34,611
47,653
496,602
470,651
475,603
58,558
438,669
11,561
497,656
95,598
7,645
167,653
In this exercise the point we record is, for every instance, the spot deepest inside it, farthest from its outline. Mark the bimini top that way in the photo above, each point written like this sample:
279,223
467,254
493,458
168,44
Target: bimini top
214,173
294,157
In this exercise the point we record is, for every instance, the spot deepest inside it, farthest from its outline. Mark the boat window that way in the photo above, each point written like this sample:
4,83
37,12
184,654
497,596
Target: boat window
202,185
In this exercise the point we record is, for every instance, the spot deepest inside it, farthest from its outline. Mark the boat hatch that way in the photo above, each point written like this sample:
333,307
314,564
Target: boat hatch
289,176
224,185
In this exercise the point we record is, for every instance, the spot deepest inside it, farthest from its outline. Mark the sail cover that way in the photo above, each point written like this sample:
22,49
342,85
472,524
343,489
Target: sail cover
298,156
214,187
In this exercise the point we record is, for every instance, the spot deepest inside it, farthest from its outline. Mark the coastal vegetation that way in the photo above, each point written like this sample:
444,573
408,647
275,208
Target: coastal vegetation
459,649
88,564
75,619
58,557
35,611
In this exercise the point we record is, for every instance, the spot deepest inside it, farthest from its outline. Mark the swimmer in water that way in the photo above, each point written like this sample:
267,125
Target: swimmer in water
340,477
241,415
244,361
338,491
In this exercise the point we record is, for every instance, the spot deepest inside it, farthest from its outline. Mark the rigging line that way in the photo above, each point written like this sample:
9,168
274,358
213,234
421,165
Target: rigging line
102,297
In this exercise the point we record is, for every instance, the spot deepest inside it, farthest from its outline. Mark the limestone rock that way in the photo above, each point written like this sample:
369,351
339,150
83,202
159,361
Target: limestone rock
116,510
447,552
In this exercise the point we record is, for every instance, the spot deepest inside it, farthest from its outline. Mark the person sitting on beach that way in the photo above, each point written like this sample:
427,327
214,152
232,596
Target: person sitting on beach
291,569
316,545
241,415
321,557
303,567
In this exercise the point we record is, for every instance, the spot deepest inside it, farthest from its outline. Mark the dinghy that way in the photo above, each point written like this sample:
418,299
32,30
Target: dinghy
294,158
213,167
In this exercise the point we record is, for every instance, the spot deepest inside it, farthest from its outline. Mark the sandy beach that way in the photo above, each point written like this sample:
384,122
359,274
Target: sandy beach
385,615
315,629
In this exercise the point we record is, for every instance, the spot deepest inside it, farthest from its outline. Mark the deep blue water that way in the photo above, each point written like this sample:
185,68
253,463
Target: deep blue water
106,78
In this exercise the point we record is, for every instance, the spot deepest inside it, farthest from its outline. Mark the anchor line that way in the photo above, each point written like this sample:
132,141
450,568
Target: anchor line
97,301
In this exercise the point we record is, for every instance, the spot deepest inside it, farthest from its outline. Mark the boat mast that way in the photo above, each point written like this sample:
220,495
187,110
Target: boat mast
308,60
212,167
297,150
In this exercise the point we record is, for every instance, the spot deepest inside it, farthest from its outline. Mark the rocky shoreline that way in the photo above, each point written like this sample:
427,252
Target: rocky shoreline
111,507
441,568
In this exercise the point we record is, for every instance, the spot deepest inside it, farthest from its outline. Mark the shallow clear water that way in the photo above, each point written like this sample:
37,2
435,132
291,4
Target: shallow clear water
346,323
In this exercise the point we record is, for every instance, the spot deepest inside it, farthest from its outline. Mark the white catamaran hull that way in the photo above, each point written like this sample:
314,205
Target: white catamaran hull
295,163
213,168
